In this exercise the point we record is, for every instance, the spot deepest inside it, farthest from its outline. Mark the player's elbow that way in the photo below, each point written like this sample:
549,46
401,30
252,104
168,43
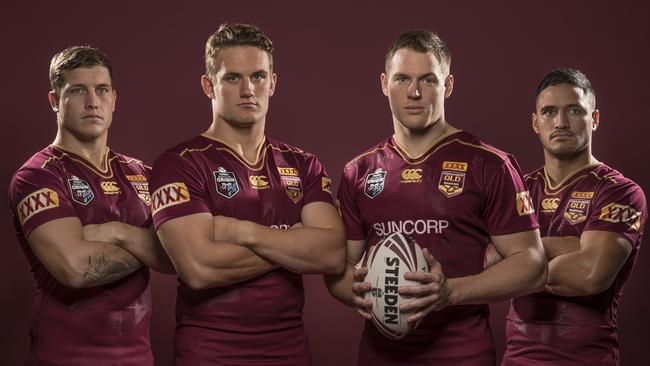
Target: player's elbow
71,273
194,278
334,262
594,284
538,270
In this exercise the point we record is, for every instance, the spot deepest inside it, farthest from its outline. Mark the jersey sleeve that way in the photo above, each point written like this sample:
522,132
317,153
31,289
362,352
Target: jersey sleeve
348,206
619,208
38,196
178,189
508,206
318,185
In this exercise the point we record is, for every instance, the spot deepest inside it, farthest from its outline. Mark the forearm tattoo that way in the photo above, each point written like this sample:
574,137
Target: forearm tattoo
102,269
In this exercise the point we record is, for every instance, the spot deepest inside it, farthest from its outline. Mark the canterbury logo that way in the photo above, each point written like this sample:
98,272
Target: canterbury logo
524,203
288,171
621,213
454,165
550,204
36,202
411,175
258,181
169,195
110,187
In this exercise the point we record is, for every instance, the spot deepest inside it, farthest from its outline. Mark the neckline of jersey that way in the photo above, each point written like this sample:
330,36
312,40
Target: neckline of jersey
260,155
401,151
568,180
102,171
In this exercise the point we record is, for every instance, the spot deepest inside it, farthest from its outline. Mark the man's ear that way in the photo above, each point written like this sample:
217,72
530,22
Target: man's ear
534,123
206,85
53,98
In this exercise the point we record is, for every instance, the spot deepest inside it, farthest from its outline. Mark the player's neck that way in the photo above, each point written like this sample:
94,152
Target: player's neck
558,169
94,151
244,140
417,142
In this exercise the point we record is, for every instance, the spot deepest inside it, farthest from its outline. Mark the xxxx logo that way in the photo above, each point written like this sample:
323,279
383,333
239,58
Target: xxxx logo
288,171
259,182
412,175
524,203
614,212
110,187
326,184
550,204
36,202
454,165
169,195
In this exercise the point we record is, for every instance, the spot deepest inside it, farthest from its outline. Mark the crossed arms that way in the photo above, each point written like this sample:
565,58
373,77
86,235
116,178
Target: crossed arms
212,251
92,255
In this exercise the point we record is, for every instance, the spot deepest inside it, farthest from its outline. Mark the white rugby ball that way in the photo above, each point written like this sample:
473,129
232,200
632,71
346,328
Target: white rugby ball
393,256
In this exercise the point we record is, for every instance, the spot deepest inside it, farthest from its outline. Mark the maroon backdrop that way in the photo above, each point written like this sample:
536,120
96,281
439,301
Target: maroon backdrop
328,101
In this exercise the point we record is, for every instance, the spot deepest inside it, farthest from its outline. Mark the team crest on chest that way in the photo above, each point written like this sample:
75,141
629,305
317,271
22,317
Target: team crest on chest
226,182
80,190
452,178
293,186
141,186
576,210
375,183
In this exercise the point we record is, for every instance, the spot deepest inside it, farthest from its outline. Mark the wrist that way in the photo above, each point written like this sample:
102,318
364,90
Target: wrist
248,233
117,232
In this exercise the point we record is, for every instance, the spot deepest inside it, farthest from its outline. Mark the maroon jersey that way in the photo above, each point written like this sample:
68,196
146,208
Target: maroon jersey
450,200
253,322
101,325
543,328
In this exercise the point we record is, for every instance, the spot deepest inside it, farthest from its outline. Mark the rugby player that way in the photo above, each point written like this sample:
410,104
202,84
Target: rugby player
591,220
82,216
452,193
242,216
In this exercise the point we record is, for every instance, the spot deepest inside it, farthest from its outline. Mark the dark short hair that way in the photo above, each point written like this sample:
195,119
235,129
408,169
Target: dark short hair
569,76
421,41
75,57
232,35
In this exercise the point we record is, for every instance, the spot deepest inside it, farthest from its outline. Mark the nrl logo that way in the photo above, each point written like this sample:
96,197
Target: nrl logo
81,191
375,183
226,182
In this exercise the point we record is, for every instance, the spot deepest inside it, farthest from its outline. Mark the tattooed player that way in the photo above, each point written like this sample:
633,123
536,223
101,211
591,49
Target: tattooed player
82,214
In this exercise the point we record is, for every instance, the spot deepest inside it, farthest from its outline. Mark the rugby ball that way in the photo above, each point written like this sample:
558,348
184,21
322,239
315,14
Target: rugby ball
393,256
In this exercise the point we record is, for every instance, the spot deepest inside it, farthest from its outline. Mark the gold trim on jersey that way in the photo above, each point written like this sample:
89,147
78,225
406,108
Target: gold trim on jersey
193,150
237,155
551,190
406,158
105,173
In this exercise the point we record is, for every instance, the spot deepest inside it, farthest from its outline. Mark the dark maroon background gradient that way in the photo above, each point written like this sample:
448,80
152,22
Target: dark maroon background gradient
328,101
